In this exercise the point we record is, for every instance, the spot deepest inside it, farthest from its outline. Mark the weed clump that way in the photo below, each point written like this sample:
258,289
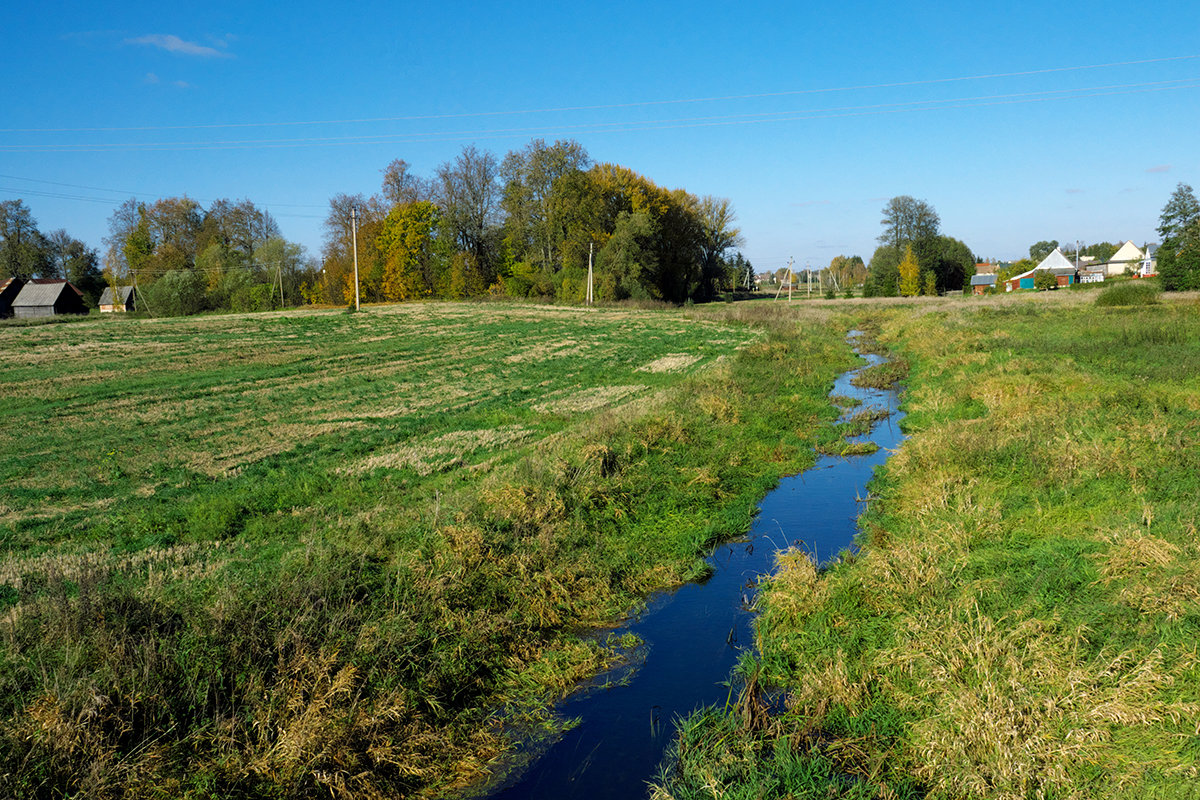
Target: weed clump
1129,293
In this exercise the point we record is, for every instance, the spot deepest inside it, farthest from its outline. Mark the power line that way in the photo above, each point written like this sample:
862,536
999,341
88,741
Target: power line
26,192
133,193
627,126
611,106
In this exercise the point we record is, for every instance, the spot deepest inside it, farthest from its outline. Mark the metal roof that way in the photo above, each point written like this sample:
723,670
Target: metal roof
983,280
122,291
41,293
1056,260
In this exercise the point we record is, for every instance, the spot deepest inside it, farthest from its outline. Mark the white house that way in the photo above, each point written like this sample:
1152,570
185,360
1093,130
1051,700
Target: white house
1128,256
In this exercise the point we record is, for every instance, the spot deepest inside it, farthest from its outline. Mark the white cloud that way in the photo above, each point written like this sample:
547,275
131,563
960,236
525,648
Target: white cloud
173,44
151,78
1160,168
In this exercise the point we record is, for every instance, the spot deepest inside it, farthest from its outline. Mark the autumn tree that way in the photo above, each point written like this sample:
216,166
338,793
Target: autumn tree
407,243
848,270
910,273
337,251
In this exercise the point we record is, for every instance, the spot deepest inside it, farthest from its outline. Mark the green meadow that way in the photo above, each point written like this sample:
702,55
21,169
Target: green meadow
1023,617
315,553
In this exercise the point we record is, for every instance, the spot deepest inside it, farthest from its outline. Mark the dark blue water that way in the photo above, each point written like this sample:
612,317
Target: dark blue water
694,634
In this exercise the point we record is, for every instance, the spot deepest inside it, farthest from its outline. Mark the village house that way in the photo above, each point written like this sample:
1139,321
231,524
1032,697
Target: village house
1056,263
982,282
126,300
1127,258
48,298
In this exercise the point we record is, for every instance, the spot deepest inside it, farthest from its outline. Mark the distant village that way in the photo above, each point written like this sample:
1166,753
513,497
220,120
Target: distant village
48,297
1128,260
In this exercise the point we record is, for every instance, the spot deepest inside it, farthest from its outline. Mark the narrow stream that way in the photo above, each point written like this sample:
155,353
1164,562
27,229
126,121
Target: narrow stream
693,635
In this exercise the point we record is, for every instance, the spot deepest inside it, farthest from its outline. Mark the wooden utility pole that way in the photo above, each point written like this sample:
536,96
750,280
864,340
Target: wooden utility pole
354,233
589,288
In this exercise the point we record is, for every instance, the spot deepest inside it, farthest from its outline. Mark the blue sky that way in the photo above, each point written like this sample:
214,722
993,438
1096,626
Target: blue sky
1018,122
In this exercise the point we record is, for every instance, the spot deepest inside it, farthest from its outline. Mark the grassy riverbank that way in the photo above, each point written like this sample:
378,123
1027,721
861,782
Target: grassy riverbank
1024,618
315,553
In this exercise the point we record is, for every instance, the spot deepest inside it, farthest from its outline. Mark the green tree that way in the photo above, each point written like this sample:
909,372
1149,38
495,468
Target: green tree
929,286
78,263
1044,279
1179,253
1039,250
883,273
951,262
531,179
468,193
177,293
626,258
717,235
908,221
23,250
910,273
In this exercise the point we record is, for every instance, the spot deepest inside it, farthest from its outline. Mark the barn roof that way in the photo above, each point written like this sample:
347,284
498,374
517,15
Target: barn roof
1056,260
122,291
42,293
983,280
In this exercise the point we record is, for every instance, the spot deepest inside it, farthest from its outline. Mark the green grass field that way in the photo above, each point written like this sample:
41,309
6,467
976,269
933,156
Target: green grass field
1023,620
314,553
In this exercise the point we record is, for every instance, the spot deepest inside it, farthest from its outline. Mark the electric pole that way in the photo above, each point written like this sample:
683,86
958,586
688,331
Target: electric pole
354,233
589,288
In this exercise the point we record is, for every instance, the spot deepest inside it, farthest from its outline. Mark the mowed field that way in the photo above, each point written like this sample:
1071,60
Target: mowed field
312,553
107,417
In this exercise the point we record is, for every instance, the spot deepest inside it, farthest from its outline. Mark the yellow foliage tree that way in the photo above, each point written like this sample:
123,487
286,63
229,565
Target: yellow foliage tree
405,245
910,274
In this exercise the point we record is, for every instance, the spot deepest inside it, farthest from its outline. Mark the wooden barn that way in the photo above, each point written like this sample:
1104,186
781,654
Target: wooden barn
48,298
125,300
8,293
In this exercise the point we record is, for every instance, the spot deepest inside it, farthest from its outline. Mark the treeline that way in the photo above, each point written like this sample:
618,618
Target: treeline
525,226
913,256
184,258
26,252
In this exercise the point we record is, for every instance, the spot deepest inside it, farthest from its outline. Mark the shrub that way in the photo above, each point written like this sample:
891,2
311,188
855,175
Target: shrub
1133,293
